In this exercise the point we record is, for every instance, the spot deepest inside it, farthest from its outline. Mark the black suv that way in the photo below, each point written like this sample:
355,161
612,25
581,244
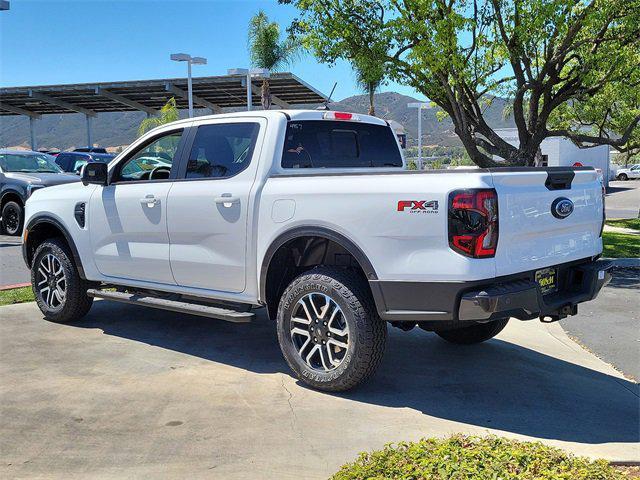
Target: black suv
22,172
72,162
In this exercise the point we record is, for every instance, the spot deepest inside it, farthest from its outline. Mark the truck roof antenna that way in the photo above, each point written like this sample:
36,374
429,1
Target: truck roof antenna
325,104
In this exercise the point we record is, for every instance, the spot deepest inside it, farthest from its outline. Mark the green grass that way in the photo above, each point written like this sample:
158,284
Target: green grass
16,295
633,223
617,244
620,245
480,458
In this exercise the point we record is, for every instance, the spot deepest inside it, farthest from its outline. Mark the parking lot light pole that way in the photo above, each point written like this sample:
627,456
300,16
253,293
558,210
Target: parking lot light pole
185,57
420,106
249,74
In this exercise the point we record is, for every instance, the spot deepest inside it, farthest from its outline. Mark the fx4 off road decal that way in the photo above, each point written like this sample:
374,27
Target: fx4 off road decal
418,206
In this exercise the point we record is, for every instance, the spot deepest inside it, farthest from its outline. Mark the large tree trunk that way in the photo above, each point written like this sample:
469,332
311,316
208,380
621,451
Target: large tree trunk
265,95
372,110
537,161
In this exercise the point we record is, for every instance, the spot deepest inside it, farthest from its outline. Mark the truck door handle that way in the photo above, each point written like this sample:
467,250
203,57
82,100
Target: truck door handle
150,201
227,199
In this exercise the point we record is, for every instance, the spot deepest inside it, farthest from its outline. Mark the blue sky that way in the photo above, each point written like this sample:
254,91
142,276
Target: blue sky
52,42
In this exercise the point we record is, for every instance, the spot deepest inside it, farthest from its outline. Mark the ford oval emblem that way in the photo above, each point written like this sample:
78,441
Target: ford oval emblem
561,207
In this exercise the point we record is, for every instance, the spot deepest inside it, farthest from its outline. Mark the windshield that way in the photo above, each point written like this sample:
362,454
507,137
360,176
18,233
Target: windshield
28,163
102,157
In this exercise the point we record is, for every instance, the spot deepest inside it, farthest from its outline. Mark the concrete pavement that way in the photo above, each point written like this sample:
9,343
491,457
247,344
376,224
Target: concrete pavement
610,325
12,267
623,199
133,392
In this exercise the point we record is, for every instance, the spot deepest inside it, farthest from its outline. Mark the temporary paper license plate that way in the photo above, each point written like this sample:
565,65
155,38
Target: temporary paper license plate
547,279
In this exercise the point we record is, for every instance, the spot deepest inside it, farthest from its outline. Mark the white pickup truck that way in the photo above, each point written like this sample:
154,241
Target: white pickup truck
312,215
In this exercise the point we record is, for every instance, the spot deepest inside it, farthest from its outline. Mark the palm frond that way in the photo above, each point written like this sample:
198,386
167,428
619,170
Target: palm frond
168,113
266,49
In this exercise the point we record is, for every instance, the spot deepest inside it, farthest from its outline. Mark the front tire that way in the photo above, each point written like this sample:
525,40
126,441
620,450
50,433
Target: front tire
60,293
477,333
623,177
329,330
12,218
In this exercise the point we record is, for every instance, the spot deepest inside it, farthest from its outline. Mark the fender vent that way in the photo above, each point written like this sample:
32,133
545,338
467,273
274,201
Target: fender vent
79,213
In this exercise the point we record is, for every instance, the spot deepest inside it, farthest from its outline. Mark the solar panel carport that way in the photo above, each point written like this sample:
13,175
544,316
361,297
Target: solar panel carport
213,93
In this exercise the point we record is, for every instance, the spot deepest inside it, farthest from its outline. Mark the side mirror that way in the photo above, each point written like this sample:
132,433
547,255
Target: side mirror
94,172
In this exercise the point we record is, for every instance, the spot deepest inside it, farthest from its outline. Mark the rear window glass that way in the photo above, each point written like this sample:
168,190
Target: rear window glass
337,144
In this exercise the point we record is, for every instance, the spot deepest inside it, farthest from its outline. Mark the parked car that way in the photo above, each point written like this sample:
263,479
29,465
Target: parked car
629,173
53,153
313,216
72,162
21,173
91,149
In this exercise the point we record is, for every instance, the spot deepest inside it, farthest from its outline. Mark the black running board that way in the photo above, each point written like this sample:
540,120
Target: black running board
173,305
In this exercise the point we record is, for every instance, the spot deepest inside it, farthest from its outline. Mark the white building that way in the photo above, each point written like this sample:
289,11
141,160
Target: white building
562,152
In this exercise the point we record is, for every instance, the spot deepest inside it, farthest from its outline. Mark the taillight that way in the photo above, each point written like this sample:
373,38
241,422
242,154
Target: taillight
473,222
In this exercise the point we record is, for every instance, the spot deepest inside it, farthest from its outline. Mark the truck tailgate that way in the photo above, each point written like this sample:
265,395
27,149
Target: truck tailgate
531,236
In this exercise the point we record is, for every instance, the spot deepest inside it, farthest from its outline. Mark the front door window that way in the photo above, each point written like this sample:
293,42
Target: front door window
153,161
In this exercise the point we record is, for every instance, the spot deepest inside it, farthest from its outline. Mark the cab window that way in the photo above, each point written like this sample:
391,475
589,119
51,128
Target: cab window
152,161
222,150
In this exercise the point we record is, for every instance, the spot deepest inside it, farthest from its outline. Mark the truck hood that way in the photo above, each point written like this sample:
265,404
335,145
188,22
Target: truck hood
45,179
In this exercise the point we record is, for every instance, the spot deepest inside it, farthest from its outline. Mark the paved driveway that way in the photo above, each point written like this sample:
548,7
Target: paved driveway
12,267
131,392
610,325
623,199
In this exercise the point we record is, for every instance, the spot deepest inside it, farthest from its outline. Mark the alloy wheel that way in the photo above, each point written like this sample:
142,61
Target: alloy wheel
11,221
319,332
51,282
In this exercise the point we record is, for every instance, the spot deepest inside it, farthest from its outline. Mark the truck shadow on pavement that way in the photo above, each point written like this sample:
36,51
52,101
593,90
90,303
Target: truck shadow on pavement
497,385
619,188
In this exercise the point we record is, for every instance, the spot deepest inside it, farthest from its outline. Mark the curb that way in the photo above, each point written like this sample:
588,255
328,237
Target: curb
15,285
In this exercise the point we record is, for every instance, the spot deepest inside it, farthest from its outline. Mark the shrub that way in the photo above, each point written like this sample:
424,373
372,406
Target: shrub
463,457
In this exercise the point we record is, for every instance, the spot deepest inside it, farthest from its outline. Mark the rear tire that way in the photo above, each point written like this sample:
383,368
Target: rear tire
60,293
623,177
329,330
12,218
477,333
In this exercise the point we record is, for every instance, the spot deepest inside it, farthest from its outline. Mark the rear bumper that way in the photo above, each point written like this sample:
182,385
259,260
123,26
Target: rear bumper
484,300
523,299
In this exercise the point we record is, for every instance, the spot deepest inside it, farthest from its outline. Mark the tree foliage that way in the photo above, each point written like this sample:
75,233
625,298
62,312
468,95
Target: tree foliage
168,113
268,50
568,67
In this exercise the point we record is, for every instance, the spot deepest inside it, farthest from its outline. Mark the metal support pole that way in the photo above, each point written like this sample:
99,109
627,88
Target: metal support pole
249,99
89,140
32,132
190,89
419,138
